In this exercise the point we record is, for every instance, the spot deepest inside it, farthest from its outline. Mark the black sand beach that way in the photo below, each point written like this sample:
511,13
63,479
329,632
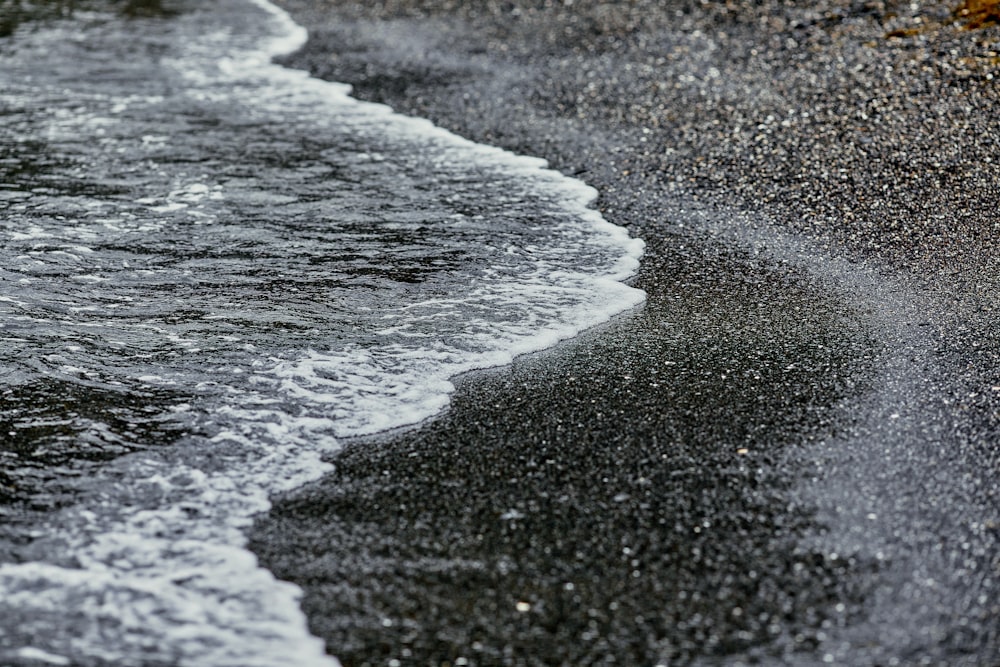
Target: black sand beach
789,454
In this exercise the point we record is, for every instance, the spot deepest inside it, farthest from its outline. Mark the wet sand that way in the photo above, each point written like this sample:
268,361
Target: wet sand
788,455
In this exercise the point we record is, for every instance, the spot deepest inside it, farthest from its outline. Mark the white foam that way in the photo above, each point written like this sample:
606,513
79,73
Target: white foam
151,565
38,655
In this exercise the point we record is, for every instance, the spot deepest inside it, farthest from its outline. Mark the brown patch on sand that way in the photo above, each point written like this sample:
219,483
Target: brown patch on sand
977,14
910,32
972,14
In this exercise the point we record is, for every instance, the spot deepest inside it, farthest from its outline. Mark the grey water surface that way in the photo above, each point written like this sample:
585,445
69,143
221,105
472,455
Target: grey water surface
212,270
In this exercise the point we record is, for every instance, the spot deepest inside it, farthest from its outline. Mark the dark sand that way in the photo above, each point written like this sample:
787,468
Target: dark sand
789,455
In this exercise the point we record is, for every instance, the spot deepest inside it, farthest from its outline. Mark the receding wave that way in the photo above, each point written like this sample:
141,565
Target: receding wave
230,267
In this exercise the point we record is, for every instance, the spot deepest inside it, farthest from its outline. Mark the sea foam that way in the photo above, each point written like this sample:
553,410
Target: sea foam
149,565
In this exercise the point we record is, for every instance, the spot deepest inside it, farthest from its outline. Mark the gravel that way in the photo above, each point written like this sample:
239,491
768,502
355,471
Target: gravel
788,456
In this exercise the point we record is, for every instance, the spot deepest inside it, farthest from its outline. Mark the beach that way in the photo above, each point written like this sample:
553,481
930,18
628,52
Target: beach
788,454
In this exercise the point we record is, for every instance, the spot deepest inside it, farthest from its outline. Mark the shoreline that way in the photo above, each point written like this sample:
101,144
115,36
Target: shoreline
608,499
527,491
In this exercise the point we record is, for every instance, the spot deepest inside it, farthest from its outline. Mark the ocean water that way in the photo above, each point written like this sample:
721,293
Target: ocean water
212,271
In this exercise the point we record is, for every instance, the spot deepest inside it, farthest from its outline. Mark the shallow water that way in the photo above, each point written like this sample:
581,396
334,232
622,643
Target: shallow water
213,270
